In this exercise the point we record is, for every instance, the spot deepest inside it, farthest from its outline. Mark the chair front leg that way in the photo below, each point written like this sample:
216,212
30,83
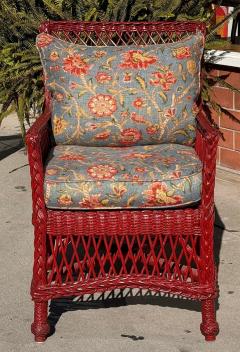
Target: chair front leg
40,326
209,326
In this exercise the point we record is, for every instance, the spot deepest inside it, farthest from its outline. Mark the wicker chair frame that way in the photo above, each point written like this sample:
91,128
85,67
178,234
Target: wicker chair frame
83,252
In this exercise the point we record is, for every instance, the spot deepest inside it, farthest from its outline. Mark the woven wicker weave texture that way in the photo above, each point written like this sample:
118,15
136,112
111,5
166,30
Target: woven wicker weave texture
79,252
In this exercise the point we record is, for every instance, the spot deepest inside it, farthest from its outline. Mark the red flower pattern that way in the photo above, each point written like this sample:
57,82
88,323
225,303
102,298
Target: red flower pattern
138,103
54,56
195,109
138,156
137,118
65,200
152,129
170,113
127,77
92,201
140,169
75,157
137,59
166,160
100,53
102,172
102,105
158,194
76,65
130,136
103,77
43,40
182,52
93,126
176,174
73,85
163,79
55,68
102,135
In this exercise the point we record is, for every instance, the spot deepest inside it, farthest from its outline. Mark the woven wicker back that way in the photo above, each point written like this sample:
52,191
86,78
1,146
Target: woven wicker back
120,33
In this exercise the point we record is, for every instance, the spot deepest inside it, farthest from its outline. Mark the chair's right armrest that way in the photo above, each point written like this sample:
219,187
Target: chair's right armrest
38,140
206,147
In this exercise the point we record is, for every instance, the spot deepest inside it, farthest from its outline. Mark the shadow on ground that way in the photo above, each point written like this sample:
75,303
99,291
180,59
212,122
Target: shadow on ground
218,236
10,144
116,298
126,297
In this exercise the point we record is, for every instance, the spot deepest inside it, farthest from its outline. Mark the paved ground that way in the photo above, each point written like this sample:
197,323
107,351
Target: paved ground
149,323
10,136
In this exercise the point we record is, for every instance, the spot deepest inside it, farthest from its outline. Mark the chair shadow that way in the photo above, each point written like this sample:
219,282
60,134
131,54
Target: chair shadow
127,297
219,228
10,144
115,298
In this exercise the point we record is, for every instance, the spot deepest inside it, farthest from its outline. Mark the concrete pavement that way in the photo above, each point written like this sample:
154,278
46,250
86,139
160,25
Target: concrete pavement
10,136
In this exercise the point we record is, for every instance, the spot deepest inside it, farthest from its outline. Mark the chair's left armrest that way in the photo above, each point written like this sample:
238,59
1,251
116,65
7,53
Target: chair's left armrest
38,141
206,147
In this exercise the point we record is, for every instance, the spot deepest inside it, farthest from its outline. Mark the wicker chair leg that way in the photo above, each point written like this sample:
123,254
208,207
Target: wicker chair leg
40,326
209,326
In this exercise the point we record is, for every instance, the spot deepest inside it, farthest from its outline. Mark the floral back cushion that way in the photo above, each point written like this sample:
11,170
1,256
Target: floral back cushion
122,96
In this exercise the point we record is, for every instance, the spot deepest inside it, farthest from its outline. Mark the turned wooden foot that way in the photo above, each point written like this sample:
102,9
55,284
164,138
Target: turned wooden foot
40,327
209,326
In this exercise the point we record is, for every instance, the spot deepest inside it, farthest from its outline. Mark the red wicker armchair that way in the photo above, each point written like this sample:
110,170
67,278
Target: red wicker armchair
148,235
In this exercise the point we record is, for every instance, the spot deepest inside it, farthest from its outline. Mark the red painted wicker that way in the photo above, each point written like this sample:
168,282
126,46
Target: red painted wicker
82,252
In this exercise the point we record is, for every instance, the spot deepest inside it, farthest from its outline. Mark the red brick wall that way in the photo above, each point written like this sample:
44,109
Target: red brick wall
229,149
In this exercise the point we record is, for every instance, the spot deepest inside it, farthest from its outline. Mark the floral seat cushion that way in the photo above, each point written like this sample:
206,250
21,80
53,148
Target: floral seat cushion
125,95
154,176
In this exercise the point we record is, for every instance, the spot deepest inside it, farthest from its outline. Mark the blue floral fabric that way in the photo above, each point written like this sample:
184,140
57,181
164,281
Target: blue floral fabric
153,176
122,96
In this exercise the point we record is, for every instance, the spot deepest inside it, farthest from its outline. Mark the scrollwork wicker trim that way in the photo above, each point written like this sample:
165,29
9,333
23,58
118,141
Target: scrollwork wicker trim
188,290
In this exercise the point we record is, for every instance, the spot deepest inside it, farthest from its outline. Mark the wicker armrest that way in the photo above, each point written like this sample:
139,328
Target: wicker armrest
206,148
39,132
38,143
206,139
